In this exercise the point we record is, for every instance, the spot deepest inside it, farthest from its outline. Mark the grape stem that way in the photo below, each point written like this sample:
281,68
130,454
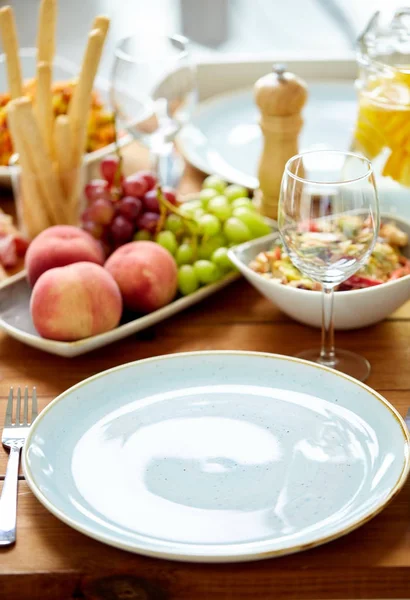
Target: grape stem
170,206
166,204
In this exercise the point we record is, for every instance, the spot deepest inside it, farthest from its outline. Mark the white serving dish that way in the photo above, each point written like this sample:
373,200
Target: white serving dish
15,317
217,456
352,309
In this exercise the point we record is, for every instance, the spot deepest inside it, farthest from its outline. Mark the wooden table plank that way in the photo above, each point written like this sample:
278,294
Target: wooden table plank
45,545
385,345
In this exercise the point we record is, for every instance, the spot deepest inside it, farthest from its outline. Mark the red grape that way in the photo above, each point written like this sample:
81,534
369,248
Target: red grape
151,201
170,195
135,186
85,216
148,221
129,207
95,229
121,230
96,188
149,178
101,211
109,166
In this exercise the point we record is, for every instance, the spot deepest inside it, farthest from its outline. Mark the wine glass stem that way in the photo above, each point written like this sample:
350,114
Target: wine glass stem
327,351
161,161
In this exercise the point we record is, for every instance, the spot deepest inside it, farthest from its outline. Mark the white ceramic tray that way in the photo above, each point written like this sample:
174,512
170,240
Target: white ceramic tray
15,317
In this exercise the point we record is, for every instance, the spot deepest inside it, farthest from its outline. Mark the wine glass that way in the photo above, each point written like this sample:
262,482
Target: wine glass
153,93
328,219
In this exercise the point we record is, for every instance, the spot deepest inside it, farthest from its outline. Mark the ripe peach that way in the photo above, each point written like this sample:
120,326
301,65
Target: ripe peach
74,302
60,246
146,274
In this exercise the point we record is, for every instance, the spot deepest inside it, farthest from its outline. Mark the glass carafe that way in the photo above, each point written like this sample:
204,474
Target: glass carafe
382,130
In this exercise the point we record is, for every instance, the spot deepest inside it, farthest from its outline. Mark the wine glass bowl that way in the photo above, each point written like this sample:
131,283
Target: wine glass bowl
154,91
328,218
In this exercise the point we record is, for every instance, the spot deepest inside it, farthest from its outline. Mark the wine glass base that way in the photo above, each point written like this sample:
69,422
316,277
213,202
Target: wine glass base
347,362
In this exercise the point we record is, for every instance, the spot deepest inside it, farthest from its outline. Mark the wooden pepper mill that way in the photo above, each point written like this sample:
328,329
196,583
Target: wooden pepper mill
280,96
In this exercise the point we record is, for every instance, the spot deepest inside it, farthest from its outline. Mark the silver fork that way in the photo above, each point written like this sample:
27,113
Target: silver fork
16,428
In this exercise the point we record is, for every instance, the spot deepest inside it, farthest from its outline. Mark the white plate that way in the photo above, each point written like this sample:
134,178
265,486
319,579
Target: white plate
15,317
224,136
217,456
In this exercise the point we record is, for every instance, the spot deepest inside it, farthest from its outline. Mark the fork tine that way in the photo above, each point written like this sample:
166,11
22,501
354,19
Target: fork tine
9,409
34,410
18,405
25,407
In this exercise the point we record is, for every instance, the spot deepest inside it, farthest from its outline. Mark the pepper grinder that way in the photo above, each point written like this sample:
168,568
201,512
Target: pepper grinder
280,96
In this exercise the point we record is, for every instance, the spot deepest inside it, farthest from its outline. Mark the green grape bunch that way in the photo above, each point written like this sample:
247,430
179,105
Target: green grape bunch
199,232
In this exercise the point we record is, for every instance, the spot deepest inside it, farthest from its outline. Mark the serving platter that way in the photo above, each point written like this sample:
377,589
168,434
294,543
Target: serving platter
15,317
217,456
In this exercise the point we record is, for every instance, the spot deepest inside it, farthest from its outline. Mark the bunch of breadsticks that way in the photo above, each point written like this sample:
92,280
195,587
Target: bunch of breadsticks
50,150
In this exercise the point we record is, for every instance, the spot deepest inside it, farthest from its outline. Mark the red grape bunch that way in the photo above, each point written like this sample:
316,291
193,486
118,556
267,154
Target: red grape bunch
121,208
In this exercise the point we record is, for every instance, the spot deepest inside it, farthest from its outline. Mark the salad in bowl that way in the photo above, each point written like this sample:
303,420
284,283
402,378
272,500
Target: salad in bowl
386,263
379,288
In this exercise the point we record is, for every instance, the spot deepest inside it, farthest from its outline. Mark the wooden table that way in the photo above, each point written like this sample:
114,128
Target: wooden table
50,561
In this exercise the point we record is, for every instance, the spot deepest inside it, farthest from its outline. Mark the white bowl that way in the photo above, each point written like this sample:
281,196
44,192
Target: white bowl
352,309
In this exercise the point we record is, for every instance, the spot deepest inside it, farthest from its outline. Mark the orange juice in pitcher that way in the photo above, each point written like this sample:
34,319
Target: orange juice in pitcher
382,130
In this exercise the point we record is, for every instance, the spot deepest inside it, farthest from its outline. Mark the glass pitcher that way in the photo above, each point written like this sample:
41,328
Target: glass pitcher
382,130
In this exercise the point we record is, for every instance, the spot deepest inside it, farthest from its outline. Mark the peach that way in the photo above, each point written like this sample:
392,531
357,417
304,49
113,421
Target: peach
74,302
60,246
146,274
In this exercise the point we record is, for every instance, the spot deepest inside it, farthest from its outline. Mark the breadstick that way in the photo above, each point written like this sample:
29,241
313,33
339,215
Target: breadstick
48,181
44,104
80,102
10,46
46,31
101,22
62,146
31,202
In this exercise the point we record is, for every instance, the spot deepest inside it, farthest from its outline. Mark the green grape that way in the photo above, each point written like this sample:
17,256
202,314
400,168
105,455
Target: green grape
215,183
192,226
209,225
198,213
188,208
208,246
187,280
244,202
207,271
253,221
184,254
206,195
167,240
174,223
220,207
232,192
236,231
221,259
142,235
